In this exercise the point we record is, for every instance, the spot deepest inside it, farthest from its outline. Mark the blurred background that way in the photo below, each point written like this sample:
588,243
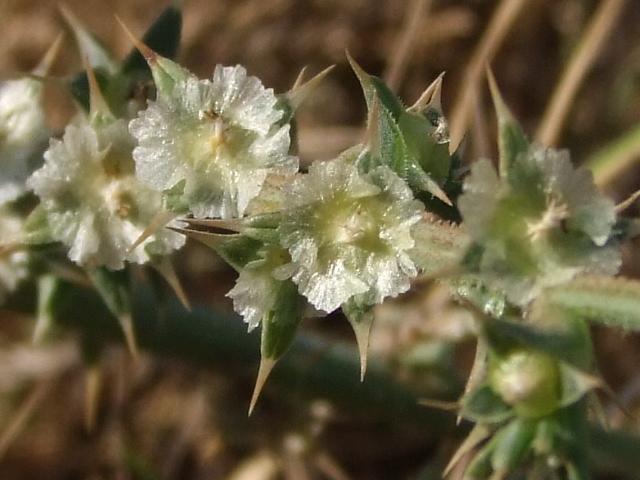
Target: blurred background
569,70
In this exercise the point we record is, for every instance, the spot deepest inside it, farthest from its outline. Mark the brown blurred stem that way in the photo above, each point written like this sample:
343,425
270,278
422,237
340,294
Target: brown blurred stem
312,369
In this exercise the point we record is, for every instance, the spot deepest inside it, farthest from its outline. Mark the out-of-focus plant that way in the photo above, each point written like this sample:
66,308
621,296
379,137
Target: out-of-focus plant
155,154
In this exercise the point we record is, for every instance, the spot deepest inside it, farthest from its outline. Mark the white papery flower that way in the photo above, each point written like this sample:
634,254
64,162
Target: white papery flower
94,203
215,141
541,225
23,133
256,290
349,234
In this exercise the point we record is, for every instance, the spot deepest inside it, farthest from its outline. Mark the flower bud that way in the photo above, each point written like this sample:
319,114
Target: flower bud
527,380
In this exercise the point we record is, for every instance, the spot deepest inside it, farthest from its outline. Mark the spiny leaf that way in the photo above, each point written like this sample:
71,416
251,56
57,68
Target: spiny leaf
511,444
430,98
95,54
278,332
548,331
264,370
158,221
90,47
165,72
301,91
164,267
483,405
361,319
511,138
374,88
237,250
478,434
163,37
47,289
113,287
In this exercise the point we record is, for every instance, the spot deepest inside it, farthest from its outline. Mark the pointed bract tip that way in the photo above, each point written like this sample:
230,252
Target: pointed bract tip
355,66
164,267
126,324
431,97
45,64
362,330
299,79
149,55
158,221
98,104
300,91
501,107
266,365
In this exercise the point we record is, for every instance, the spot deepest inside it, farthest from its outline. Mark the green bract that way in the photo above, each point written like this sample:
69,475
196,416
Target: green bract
93,202
349,234
211,142
540,225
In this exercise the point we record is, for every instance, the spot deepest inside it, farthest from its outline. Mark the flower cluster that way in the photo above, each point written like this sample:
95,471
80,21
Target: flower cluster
540,226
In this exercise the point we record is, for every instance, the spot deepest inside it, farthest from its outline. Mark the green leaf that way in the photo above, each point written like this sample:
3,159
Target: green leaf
510,445
278,332
477,435
610,301
575,384
113,286
483,405
91,48
163,37
48,288
36,229
561,336
236,249
280,325
375,90
511,138
418,130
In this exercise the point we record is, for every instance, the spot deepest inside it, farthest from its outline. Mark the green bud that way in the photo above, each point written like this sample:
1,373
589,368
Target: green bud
527,380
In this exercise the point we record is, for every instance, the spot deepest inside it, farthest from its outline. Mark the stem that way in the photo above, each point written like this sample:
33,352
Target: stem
312,368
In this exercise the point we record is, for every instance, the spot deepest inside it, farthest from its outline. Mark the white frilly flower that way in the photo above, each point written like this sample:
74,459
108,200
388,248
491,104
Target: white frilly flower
256,290
23,134
94,203
349,234
541,225
214,140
